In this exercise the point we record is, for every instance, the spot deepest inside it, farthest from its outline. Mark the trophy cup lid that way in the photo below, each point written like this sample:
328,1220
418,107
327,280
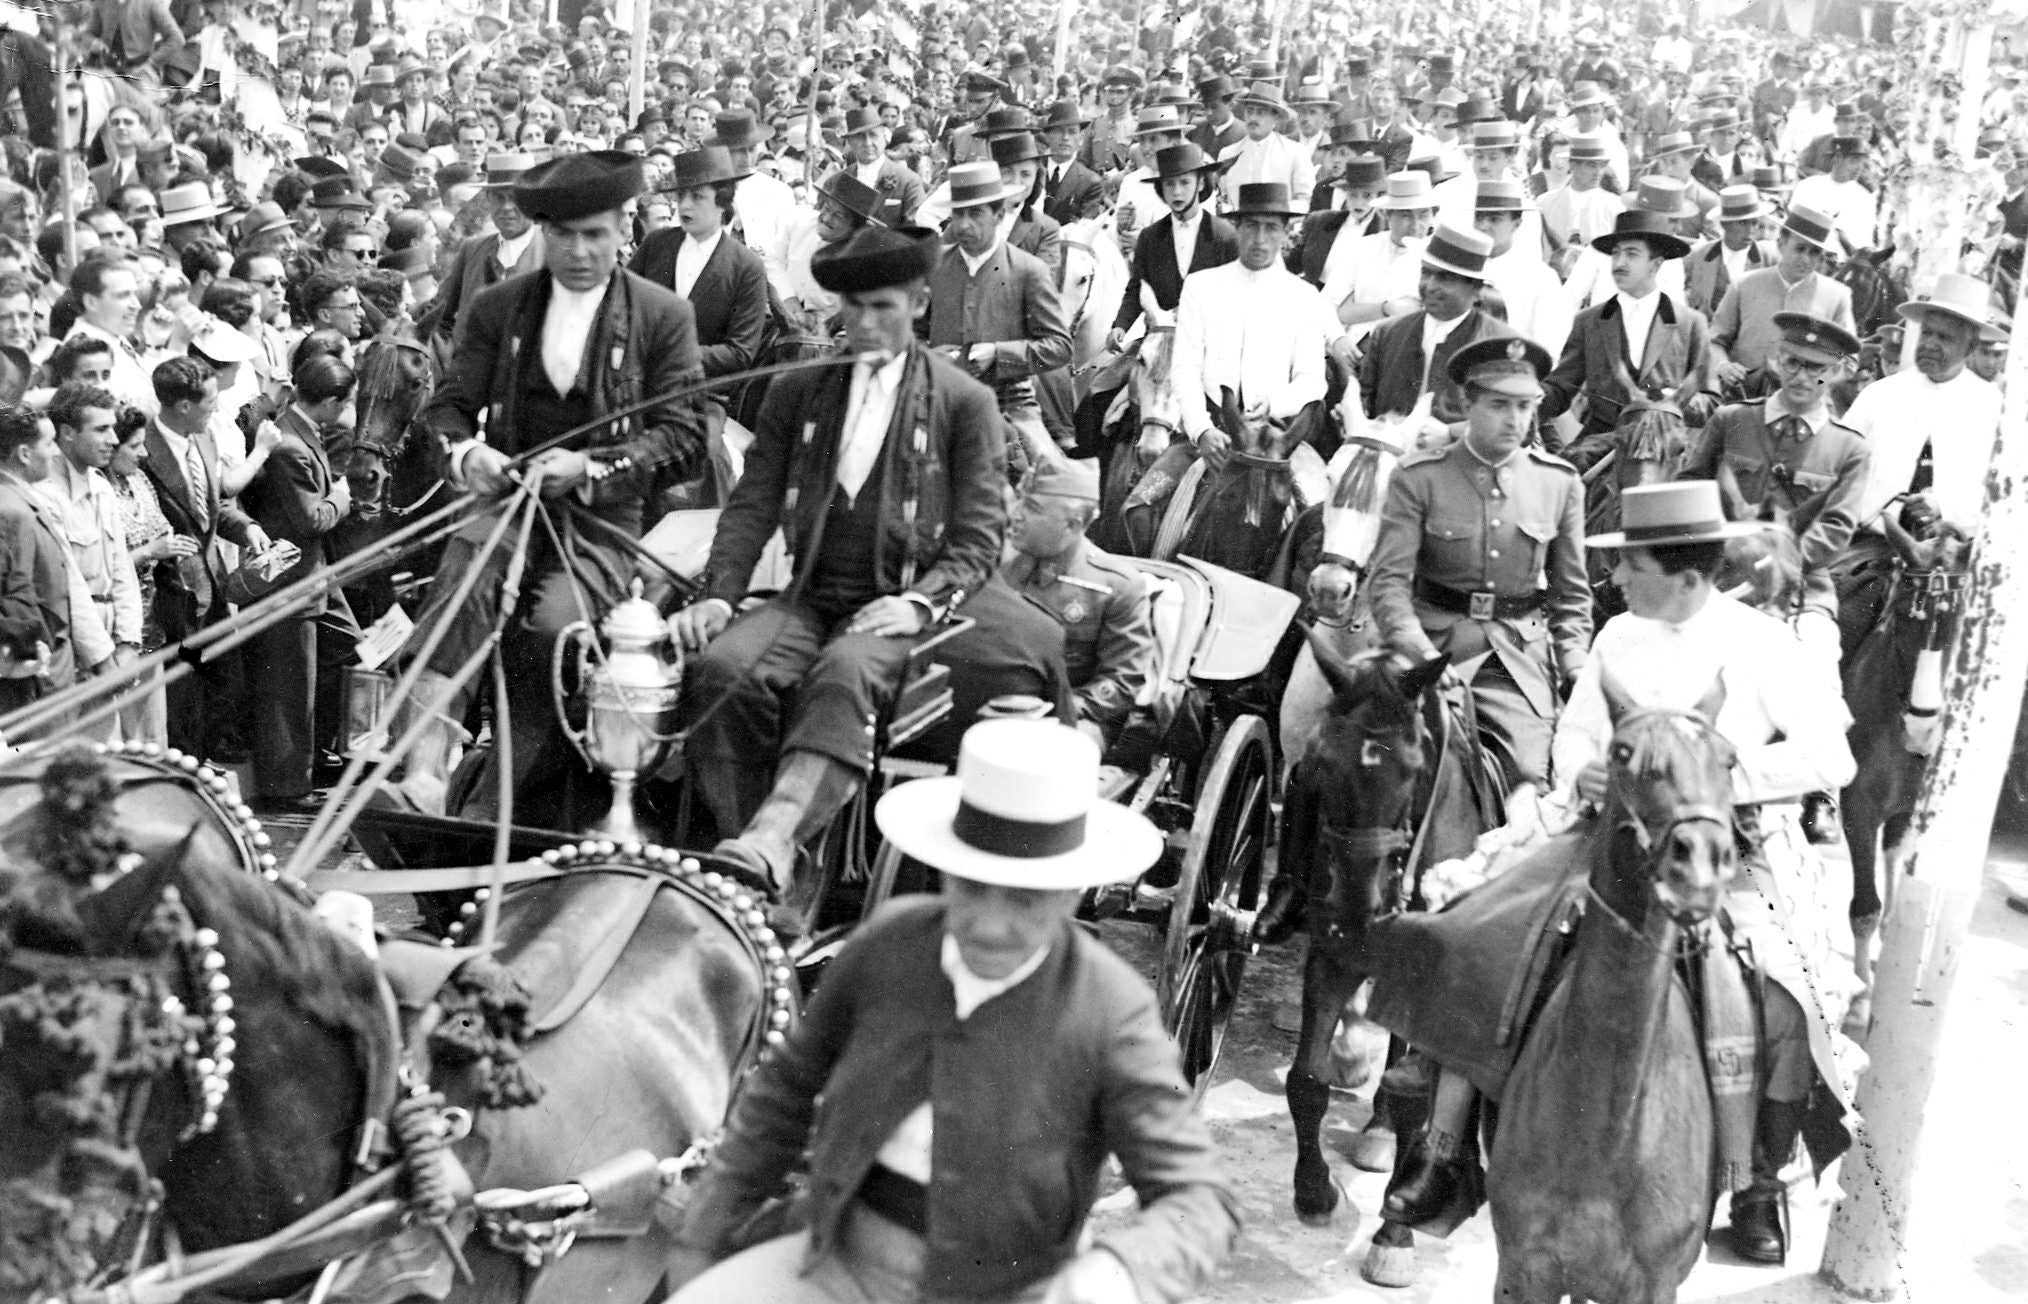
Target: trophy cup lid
634,622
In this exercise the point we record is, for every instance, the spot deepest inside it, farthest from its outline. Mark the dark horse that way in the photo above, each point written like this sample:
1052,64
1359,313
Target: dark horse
1390,786
1895,640
1601,1172
170,1018
395,465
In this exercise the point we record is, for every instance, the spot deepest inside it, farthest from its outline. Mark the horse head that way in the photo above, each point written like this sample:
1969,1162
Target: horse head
395,380
1361,774
1765,569
169,1026
1669,796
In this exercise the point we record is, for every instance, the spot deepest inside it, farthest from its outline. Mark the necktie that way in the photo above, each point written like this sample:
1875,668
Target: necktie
200,483
862,434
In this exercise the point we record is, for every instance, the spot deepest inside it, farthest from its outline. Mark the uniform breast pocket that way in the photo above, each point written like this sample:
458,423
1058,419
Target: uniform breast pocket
1812,484
1455,543
1539,535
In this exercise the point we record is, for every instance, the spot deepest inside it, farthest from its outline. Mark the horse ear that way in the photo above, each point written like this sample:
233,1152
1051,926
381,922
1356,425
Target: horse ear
1713,701
1337,671
1617,699
1416,681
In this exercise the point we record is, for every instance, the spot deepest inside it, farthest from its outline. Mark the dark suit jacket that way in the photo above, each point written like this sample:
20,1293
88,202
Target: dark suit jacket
137,25
1073,1061
104,183
644,343
941,508
1715,178
1154,263
1012,304
474,268
1212,141
1521,101
1705,277
291,498
730,297
1313,246
202,575
34,580
1067,199
1595,363
901,193
436,128
1391,365
1037,233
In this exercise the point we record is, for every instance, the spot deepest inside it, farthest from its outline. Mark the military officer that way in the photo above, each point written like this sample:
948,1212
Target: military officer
1481,556
1109,642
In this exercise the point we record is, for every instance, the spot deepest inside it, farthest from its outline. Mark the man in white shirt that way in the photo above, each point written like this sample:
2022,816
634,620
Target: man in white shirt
1840,195
1580,211
1158,127
1266,155
1536,307
108,291
764,207
1251,326
1382,276
103,578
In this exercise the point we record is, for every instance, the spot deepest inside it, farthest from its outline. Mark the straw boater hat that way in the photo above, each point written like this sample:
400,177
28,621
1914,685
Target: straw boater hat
1504,195
1266,95
1155,119
1313,92
1488,136
1810,226
1586,147
1672,142
1022,811
578,185
974,184
1505,364
1406,192
503,170
1461,253
1742,203
1659,515
1586,94
1966,298
1664,195
876,257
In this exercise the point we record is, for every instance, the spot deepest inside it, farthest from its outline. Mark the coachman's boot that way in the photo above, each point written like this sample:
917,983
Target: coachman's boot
1760,1214
426,773
1432,1179
810,789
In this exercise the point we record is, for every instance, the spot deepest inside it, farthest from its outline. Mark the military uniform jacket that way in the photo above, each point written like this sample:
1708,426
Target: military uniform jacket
1108,640
1455,521
1817,481
941,504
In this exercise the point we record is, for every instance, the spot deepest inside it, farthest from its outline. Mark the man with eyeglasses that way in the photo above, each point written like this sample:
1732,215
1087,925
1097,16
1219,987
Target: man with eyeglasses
331,302
350,248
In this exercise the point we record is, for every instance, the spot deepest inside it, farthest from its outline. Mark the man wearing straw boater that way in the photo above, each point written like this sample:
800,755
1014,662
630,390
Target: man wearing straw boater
979,1056
535,357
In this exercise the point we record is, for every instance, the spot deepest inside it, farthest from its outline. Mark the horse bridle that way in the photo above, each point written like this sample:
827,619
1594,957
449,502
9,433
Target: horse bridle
1653,842
1390,843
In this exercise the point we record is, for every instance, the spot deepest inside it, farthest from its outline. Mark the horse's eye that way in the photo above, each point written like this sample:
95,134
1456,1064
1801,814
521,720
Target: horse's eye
1620,753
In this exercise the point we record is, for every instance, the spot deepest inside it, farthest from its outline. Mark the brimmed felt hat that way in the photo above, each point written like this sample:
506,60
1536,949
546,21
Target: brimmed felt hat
1313,92
399,162
1363,171
1660,515
1742,203
1266,95
1504,195
1461,253
1664,195
1966,298
378,74
851,194
1356,134
1586,94
263,218
1505,364
337,192
860,121
1486,136
876,257
1810,226
1479,108
1063,113
1432,166
1263,199
737,129
705,166
978,79
1848,147
1020,147
1182,161
314,166
1658,229
1407,191
1157,119
1022,811
1672,142
578,185
410,66
1005,122
1217,86
974,184
1815,338
1722,120
503,170
1767,179
410,262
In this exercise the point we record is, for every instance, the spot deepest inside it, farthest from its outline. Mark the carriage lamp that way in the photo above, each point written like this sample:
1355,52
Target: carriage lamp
628,680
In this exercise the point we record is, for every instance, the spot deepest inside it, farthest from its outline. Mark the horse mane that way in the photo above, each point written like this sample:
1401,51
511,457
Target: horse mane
70,834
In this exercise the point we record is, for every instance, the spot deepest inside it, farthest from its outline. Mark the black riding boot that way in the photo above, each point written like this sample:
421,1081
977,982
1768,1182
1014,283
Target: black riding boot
1760,1213
1429,1180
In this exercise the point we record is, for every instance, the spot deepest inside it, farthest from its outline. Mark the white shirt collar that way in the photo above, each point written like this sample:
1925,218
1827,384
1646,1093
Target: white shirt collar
971,991
1773,410
972,264
511,250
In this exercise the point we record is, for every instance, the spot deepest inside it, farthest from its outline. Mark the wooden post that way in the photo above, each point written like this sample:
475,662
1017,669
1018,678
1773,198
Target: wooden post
1064,10
61,58
1924,936
813,130
637,90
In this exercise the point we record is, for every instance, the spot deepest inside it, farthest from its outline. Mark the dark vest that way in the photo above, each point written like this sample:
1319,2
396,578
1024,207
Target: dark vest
841,579
539,411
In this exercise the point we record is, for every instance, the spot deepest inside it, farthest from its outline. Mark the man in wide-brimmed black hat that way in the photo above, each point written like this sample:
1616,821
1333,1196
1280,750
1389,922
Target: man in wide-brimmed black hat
901,191
512,247
886,480
724,281
1069,187
1185,178
536,356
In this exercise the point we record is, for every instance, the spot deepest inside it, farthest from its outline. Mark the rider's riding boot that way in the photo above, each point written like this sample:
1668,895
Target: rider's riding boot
1434,1171
809,790
1820,818
426,774
1760,1223
1288,900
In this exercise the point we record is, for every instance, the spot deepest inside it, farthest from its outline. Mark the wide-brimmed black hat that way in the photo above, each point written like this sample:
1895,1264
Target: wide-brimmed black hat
1182,161
1063,113
737,129
1005,122
876,257
578,185
1021,147
706,166
851,194
1658,229
338,192
1263,199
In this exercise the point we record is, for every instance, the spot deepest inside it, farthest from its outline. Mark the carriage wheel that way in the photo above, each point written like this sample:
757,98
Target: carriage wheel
1217,892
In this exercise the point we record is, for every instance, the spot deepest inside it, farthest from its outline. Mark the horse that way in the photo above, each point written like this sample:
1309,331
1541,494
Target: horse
394,465
1094,279
196,1060
1601,1172
1647,446
1386,788
1892,676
